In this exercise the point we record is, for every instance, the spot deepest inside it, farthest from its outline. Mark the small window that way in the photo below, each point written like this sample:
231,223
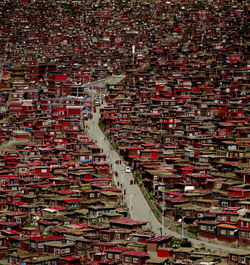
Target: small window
243,233
223,232
222,218
242,259
224,204
135,260
233,218
44,170
203,227
110,255
105,236
97,249
210,228
117,256
244,224
231,232
127,259
67,250
180,255
40,245
187,213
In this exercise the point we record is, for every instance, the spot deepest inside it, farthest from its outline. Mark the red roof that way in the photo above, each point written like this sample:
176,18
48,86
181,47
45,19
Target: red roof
9,223
159,239
58,208
46,238
13,232
72,200
137,254
228,213
64,191
83,225
70,258
174,193
134,148
118,249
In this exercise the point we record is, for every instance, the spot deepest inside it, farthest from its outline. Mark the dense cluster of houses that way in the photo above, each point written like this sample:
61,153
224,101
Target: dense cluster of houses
58,203
57,199
183,125
180,118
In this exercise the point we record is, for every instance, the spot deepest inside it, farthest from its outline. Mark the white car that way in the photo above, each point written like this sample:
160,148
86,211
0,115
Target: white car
128,170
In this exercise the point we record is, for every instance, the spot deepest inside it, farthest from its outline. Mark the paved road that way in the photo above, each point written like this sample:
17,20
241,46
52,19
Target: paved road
136,202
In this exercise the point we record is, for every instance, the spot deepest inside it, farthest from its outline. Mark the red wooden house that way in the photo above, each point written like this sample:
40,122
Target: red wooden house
239,191
30,231
181,255
36,244
19,257
244,231
14,198
151,153
127,223
227,217
133,151
16,217
207,229
4,225
90,194
160,245
17,241
244,204
227,232
69,260
135,257
74,111
116,253
21,135
59,248
41,170
238,256
72,203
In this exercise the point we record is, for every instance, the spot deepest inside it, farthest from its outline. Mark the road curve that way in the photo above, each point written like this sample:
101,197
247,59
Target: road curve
135,200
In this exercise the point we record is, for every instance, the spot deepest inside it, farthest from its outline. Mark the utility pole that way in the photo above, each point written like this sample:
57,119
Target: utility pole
163,217
122,185
182,227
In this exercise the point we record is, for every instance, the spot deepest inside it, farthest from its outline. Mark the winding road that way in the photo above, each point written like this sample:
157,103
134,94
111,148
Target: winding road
139,208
